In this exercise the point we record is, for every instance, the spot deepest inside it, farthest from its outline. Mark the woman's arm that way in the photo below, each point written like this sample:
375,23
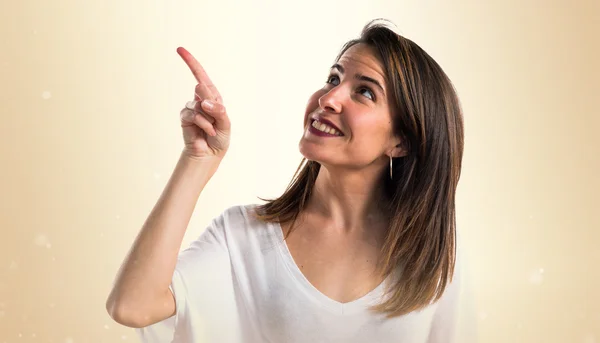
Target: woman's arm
454,320
140,295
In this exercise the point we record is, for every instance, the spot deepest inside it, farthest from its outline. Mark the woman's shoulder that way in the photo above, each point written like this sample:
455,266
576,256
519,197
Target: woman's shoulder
241,220
242,214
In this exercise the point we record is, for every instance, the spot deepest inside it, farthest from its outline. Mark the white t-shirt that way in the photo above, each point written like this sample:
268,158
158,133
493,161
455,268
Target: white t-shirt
238,283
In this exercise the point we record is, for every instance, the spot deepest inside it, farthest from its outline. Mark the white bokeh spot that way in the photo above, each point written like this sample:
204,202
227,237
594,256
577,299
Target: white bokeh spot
46,95
42,240
537,276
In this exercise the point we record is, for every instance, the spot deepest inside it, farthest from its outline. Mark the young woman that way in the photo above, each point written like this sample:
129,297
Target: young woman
359,248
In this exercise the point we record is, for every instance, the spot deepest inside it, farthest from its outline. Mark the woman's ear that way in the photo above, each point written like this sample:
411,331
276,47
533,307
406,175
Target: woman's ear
400,149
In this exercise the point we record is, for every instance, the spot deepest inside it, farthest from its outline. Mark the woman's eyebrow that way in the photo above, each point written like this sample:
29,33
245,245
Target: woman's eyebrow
359,77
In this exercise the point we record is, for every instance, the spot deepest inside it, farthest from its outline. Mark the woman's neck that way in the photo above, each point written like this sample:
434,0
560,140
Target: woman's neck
350,201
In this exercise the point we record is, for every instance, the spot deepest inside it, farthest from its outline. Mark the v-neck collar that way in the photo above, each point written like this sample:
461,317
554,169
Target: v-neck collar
360,304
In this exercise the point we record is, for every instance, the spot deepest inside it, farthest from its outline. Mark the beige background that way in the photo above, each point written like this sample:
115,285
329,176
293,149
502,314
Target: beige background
89,102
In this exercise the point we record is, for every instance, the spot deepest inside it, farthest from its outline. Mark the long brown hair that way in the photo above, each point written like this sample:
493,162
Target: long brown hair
420,240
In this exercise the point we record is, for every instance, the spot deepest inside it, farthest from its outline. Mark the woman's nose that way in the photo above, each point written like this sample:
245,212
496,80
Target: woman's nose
331,101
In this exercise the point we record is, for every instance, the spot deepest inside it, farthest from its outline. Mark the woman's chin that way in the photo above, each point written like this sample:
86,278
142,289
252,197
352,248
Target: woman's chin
312,152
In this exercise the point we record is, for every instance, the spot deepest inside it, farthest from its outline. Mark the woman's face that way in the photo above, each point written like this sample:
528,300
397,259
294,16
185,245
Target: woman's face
354,103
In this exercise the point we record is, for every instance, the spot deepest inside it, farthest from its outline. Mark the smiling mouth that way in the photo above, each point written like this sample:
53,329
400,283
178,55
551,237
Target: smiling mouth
325,128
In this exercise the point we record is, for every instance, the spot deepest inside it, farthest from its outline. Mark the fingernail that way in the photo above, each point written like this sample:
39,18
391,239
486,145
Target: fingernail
208,105
190,105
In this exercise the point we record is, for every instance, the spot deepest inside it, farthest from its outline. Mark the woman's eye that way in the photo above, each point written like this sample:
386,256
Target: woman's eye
367,92
332,78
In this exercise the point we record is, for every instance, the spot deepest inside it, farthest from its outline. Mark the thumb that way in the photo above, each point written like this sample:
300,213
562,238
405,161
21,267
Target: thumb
218,112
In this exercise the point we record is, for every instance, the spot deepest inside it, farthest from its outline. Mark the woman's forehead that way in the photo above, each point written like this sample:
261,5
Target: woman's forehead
362,57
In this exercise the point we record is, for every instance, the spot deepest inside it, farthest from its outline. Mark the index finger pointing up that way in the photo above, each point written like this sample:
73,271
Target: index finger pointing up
195,67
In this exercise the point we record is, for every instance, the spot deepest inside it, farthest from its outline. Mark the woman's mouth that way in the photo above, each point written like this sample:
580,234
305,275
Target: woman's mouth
320,128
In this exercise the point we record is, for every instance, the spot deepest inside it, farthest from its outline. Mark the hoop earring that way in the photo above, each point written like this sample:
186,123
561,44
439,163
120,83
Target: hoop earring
391,173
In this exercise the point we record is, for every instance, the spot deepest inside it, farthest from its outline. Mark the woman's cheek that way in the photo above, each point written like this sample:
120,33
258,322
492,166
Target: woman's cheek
312,104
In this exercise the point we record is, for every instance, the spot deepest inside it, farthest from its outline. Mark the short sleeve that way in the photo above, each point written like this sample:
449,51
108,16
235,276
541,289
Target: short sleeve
453,320
201,284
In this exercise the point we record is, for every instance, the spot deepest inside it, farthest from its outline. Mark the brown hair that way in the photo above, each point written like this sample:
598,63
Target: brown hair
420,241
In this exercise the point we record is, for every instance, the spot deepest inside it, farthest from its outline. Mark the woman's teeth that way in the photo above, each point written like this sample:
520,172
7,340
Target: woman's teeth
325,128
